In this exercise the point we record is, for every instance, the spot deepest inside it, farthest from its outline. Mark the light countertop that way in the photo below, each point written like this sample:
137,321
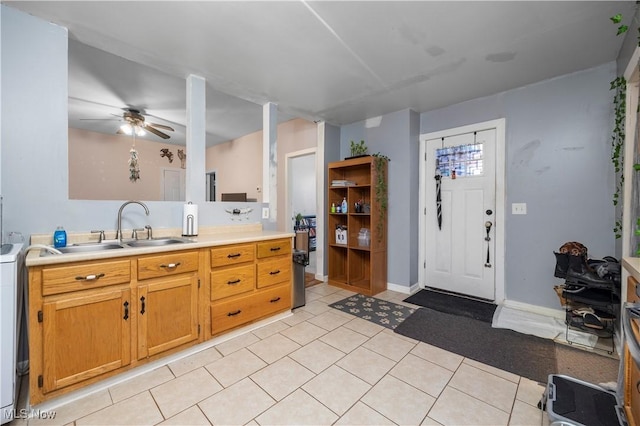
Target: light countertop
632,265
207,237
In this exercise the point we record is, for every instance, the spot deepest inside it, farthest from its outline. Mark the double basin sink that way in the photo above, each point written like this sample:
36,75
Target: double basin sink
103,246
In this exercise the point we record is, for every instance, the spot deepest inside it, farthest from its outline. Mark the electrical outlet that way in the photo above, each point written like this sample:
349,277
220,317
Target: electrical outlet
518,208
265,212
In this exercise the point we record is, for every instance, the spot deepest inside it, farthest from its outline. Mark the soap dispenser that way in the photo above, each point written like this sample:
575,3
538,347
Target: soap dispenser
344,205
59,237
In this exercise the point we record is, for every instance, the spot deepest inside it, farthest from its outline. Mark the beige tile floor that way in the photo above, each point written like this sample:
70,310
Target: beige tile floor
317,367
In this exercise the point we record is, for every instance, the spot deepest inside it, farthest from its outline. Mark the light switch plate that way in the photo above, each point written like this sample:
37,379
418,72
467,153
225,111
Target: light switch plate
518,208
265,212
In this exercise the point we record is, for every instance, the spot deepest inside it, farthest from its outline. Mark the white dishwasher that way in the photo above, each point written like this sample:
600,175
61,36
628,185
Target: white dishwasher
10,261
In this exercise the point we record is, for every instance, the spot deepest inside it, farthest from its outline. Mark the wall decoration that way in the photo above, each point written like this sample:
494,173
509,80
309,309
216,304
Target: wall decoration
460,161
166,153
183,159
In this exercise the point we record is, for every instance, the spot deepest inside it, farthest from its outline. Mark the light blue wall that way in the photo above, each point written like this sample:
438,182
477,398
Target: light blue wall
396,137
558,162
34,142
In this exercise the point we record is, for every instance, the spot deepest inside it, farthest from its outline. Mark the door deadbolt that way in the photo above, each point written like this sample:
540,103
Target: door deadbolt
489,212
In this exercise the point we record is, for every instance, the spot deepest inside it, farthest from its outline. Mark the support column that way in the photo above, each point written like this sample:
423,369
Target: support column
270,158
196,139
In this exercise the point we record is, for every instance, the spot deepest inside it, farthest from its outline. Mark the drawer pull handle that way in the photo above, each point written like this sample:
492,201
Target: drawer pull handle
234,282
233,314
142,301
274,272
274,248
126,311
275,300
92,277
170,266
231,256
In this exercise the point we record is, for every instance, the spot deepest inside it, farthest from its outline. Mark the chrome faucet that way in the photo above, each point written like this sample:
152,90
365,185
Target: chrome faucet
119,230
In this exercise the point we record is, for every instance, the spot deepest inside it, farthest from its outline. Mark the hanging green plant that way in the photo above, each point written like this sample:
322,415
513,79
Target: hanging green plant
380,187
619,85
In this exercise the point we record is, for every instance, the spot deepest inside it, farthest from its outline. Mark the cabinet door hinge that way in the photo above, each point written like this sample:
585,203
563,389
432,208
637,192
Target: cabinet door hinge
198,329
198,282
40,381
40,316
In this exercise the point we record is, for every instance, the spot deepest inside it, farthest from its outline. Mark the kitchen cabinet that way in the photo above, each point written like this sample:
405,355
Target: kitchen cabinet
80,323
95,316
632,371
357,249
249,282
167,301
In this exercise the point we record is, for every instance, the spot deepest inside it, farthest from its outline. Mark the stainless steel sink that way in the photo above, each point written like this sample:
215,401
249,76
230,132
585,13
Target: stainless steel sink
157,242
85,248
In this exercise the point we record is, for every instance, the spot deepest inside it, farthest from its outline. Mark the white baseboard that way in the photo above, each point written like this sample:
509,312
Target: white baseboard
402,288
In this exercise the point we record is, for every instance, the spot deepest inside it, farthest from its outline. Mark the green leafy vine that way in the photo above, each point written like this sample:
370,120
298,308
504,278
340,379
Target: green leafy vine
379,161
619,85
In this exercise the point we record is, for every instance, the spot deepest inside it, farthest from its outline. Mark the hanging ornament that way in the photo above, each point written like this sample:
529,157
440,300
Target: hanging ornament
134,170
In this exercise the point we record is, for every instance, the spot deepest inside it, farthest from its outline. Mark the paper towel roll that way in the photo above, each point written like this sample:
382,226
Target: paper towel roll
190,220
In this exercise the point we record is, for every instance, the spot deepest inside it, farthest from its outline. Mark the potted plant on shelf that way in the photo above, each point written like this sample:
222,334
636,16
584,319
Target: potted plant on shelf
298,219
358,149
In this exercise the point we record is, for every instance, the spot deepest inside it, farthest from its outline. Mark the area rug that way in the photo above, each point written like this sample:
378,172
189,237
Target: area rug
451,304
522,354
378,311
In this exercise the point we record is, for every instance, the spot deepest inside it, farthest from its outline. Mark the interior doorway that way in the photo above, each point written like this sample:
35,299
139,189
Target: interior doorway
301,201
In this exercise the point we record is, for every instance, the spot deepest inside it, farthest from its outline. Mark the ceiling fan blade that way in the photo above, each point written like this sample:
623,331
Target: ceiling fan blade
101,119
156,132
160,126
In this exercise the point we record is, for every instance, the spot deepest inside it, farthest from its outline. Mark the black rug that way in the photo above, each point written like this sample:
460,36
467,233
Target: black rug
451,304
378,311
521,354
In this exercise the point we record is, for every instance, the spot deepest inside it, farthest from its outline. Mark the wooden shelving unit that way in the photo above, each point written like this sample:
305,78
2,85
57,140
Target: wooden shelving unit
354,266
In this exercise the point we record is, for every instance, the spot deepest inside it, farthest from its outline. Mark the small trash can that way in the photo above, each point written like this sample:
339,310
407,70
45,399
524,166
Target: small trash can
300,260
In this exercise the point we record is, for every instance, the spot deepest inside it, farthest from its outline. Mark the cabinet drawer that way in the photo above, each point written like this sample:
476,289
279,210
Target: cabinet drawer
274,248
231,281
274,272
239,311
64,279
167,264
232,255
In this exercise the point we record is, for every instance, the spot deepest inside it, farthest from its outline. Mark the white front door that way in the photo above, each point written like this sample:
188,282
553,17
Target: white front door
459,253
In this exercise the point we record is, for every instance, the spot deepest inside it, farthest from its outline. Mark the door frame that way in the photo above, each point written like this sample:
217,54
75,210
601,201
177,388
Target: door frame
500,211
288,213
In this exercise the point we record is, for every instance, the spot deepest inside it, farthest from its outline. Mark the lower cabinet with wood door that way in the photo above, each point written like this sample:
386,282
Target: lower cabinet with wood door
167,301
631,369
80,318
249,282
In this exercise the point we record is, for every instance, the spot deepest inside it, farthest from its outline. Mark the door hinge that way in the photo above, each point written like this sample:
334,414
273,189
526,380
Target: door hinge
425,156
424,265
40,316
425,211
40,381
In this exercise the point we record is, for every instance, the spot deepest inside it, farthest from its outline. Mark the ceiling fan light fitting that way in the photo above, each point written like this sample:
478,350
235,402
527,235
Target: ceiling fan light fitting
140,131
127,129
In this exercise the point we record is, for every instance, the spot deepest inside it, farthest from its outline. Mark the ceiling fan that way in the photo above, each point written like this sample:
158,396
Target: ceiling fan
134,122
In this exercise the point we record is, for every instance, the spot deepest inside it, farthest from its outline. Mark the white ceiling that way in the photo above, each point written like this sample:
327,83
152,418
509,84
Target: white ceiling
338,61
